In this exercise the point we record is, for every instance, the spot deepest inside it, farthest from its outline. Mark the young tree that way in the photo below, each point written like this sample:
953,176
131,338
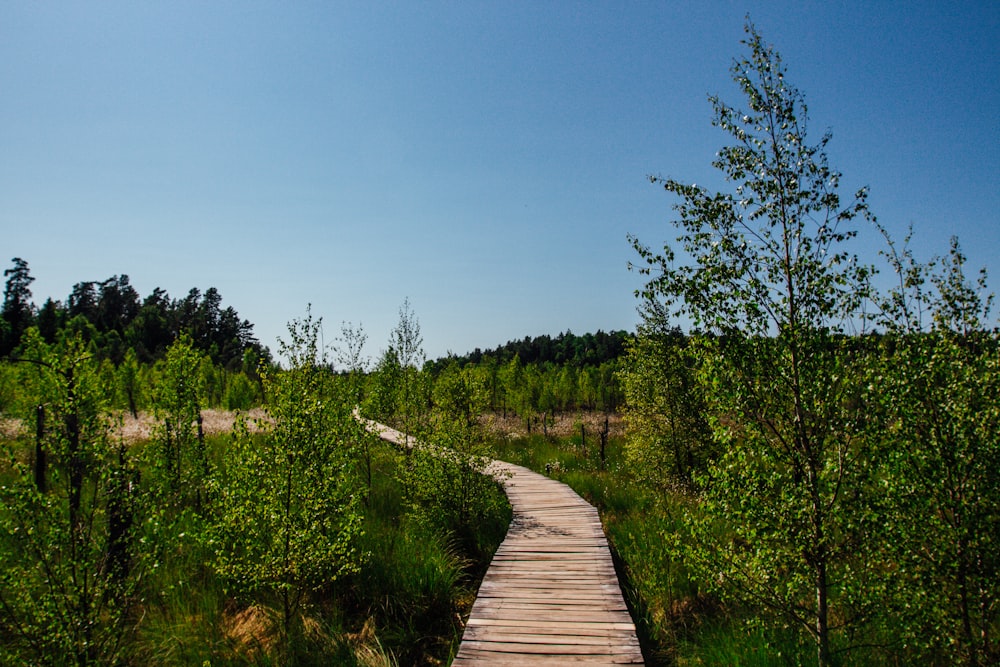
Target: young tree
350,356
407,342
128,382
180,459
668,438
447,478
288,498
512,382
68,574
406,338
771,286
382,400
936,390
459,395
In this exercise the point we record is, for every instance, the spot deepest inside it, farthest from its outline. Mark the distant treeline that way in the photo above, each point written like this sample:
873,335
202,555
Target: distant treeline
111,316
591,349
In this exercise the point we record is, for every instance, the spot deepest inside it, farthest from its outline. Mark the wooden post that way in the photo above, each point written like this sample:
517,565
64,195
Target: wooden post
201,444
40,462
202,460
169,454
604,439
583,438
71,422
132,407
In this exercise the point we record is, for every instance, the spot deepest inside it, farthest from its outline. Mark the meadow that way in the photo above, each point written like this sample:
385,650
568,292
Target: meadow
285,534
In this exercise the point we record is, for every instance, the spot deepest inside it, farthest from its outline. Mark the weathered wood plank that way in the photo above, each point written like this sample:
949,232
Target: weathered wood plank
568,648
551,595
475,656
520,623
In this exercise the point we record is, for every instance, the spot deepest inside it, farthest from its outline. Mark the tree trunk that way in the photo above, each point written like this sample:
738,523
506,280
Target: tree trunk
119,522
822,617
72,423
821,559
132,407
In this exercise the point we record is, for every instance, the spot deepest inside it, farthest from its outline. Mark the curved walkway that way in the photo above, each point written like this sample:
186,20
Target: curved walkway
551,594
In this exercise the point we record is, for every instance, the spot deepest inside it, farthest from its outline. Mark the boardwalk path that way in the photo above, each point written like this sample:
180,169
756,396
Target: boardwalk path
551,594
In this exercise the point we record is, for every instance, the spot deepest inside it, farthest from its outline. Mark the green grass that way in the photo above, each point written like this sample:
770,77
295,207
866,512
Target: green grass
677,624
403,607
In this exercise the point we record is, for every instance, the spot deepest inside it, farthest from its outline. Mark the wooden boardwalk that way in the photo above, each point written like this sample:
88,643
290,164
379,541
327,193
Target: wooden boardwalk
551,595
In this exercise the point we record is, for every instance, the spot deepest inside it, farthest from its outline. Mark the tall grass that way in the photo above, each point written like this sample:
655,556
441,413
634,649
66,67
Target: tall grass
404,607
414,586
676,622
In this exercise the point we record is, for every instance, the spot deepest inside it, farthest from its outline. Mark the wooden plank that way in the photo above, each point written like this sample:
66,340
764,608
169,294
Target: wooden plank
551,591
551,594
568,651
476,656
519,623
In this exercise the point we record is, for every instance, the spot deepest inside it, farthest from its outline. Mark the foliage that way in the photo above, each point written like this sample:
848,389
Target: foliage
407,342
417,581
936,391
536,378
69,564
17,311
121,321
460,396
669,442
448,479
287,502
590,349
772,285
145,582
449,487
383,388
180,459
128,382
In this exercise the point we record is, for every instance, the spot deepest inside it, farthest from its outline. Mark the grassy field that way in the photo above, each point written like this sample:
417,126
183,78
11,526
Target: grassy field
405,606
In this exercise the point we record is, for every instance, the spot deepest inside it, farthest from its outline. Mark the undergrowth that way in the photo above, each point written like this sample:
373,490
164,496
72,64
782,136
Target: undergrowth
405,606
676,622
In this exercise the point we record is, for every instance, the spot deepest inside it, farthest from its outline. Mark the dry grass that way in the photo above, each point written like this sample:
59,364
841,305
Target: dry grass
136,429
213,422
367,649
221,421
562,425
11,429
254,633
251,631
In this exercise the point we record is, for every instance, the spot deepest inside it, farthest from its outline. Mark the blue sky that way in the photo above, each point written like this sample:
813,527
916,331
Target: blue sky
484,160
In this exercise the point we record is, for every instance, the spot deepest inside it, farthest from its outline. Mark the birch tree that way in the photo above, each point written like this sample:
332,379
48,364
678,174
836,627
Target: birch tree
771,285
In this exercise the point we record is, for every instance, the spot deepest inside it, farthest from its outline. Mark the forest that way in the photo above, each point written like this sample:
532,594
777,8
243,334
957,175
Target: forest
796,455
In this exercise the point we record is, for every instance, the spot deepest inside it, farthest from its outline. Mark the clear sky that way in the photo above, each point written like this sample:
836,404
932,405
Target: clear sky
485,160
